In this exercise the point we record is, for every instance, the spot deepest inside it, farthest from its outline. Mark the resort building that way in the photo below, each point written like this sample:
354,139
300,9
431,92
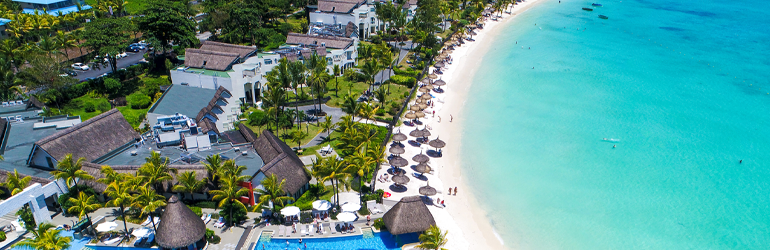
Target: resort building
180,228
340,51
52,7
95,139
194,109
41,195
341,12
410,215
280,160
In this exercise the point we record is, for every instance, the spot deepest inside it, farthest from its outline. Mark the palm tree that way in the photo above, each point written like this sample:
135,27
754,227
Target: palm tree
83,205
350,105
155,171
15,183
46,238
272,192
328,126
382,95
65,42
433,238
297,136
367,111
189,183
229,193
147,201
233,171
337,72
213,166
71,172
370,69
359,164
332,169
120,196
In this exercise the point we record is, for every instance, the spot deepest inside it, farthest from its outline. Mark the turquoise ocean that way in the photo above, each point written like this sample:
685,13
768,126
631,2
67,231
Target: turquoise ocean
683,85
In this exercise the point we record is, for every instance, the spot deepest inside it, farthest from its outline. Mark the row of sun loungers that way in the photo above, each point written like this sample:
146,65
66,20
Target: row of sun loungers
307,230
374,207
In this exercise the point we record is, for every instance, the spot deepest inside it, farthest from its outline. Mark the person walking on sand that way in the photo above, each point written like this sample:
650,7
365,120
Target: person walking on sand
450,118
439,118
450,191
434,113
455,190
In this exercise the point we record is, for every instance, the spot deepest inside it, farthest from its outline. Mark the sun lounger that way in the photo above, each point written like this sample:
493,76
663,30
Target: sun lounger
304,231
220,223
331,228
139,241
311,230
323,229
280,231
203,217
208,218
156,220
147,221
113,240
150,238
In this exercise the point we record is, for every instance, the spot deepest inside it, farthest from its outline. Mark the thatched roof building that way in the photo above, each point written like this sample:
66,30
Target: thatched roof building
179,227
205,59
91,139
410,215
281,160
242,51
320,40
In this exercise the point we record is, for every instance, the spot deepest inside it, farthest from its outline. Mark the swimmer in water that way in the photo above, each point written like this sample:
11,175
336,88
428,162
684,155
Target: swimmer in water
613,146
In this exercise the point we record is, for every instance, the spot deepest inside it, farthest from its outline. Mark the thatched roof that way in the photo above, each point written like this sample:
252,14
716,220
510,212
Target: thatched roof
338,6
208,125
91,139
34,179
351,29
206,59
205,111
292,57
328,41
281,160
35,103
247,132
242,51
95,170
179,227
410,215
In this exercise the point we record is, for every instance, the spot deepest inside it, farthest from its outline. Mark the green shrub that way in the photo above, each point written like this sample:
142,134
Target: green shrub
138,100
89,107
375,39
258,118
407,72
211,237
206,204
379,224
196,210
73,192
151,85
238,213
2,236
363,210
403,80
112,85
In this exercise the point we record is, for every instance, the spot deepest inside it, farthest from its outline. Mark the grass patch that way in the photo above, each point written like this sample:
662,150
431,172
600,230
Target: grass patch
357,89
314,193
310,128
78,107
133,116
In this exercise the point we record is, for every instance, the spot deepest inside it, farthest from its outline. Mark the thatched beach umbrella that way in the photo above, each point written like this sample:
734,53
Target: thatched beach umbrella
410,115
396,150
439,65
425,80
421,158
416,132
427,190
410,215
439,82
414,108
437,143
433,76
422,106
180,226
419,114
400,179
426,96
399,136
423,168
424,90
425,132
398,162
418,101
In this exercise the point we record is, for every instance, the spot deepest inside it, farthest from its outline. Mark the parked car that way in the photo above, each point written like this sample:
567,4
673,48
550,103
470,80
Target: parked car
122,55
80,66
133,49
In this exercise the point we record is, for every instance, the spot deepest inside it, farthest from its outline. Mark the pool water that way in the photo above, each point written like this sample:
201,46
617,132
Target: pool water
380,241
74,244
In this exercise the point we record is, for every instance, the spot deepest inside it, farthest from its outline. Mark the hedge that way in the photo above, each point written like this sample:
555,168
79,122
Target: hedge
403,80
138,100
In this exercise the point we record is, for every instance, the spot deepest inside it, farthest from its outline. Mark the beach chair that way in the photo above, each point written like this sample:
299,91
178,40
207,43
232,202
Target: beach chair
5,104
203,218
323,229
208,218
331,228
311,230
147,221
280,231
19,102
372,207
303,231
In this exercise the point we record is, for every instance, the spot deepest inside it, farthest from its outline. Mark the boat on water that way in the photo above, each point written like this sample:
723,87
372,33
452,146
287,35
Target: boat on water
610,139
588,9
596,4
603,17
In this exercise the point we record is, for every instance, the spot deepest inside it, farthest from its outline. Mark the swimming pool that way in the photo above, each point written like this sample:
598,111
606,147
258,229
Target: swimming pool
74,244
380,241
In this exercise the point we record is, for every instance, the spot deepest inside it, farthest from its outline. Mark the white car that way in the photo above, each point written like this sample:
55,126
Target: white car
122,55
80,66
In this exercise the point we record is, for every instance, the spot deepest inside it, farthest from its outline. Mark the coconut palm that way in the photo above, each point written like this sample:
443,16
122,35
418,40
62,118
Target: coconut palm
213,166
328,126
189,183
83,205
155,171
382,95
15,183
297,136
433,238
120,196
370,69
229,193
350,105
337,72
46,238
367,111
147,201
359,164
331,169
71,172
272,192
233,171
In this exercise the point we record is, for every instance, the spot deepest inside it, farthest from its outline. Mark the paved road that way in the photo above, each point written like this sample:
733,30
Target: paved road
131,59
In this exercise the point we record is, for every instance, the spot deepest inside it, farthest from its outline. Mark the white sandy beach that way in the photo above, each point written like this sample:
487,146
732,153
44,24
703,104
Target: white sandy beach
467,223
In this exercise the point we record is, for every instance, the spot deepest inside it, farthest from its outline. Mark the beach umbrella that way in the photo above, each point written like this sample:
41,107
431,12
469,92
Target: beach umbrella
416,132
399,137
422,106
425,132
321,205
346,217
107,226
424,90
419,114
421,158
437,143
433,76
398,161
423,168
439,82
425,80
410,115
439,65
351,207
427,191
290,211
414,108
398,179
418,101
426,96
396,150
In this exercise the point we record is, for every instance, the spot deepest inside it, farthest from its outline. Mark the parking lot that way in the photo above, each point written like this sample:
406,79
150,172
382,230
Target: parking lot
131,59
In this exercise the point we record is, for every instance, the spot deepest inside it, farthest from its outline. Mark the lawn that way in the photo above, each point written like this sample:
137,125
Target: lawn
310,128
133,116
305,202
77,107
344,88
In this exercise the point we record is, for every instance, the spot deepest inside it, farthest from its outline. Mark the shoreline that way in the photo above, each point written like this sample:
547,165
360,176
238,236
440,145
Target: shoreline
463,218
478,226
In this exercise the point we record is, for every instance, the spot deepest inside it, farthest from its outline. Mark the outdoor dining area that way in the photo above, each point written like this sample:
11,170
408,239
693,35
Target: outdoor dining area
319,221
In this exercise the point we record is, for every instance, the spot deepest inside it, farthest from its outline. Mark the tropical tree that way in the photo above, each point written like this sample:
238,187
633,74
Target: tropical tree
189,183
233,171
65,42
229,193
147,201
337,72
83,205
15,183
433,238
359,164
370,69
367,111
297,136
155,171
166,22
46,238
120,196
71,171
350,105
272,193
381,94
108,37
331,169
213,166
328,126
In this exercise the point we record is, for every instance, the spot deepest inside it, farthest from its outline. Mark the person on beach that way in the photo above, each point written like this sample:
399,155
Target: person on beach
450,191
434,113
450,118
455,190
368,219
439,118
442,203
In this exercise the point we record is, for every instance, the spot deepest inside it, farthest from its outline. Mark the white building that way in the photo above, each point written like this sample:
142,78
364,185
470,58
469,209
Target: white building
341,12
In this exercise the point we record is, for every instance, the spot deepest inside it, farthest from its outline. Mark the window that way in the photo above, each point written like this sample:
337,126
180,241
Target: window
268,61
329,61
350,55
204,63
